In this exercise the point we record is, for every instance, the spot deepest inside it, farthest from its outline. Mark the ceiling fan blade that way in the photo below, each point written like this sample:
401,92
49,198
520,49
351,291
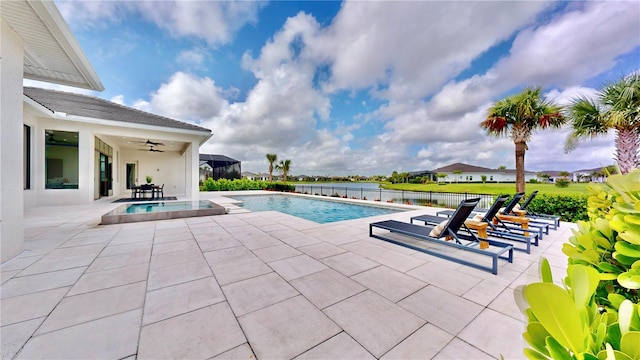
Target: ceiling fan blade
153,143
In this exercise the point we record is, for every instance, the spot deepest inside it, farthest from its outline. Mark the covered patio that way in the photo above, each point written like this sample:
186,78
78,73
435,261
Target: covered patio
251,285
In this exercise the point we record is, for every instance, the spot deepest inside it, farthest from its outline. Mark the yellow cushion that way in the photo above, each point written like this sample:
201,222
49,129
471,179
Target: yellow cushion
438,229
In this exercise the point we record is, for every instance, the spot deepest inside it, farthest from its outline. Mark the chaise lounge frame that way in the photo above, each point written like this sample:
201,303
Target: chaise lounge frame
450,230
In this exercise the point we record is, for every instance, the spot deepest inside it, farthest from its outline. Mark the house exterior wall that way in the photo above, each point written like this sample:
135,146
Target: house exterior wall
171,168
11,143
491,176
165,168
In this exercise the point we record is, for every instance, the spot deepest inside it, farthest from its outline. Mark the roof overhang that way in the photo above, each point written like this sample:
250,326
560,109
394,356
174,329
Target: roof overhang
51,52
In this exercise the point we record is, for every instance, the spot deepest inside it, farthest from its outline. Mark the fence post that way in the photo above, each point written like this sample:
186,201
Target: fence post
360,193
402,201
380,195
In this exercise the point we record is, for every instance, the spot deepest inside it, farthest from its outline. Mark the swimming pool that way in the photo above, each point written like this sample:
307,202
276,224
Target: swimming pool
161,211
320,211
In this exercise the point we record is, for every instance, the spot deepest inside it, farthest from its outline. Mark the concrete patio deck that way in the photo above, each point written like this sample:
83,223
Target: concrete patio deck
262,285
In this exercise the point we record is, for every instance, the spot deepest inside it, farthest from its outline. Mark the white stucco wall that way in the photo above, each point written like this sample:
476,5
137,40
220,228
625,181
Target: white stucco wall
11,143
174,169
165,168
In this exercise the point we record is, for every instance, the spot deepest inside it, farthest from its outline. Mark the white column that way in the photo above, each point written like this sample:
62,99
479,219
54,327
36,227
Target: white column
11,143
193,160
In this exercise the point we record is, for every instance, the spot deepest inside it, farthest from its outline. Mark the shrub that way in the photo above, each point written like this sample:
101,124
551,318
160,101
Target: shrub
562,183
570,207
533,181
596,315
243,184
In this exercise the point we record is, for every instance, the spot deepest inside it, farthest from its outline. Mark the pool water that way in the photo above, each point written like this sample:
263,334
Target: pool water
166,206
320,211
127,213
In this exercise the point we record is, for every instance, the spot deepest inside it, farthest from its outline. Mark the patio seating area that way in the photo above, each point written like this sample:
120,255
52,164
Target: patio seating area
245,285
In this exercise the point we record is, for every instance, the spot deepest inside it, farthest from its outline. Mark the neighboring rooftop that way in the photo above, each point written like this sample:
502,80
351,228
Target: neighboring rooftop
96,108
466,168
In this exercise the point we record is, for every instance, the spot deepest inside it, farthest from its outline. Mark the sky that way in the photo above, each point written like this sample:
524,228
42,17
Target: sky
359,87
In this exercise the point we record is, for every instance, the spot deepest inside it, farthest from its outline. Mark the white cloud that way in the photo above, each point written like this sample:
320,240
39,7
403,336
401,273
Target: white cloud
118,99
408,56
188,97
407,50
214,21
193,57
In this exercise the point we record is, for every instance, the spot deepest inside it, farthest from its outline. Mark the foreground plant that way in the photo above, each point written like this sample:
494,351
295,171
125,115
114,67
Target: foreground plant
596,314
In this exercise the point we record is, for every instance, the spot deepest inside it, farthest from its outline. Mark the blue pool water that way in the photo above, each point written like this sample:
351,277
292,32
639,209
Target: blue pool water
320,211
166,206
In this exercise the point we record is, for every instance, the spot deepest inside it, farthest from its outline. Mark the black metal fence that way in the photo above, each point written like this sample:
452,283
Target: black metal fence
424,198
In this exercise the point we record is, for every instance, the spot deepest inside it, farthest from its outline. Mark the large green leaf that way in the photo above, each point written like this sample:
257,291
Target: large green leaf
534,355
545,271
557,351
624,260
536,337
630,236
630,344
584,280
616,300
627,249
557,312
625,316
630,279
609,268
611,354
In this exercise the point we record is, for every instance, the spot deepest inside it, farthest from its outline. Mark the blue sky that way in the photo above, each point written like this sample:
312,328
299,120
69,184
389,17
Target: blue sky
358,87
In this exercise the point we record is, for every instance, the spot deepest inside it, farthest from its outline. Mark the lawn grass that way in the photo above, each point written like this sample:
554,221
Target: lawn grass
492,188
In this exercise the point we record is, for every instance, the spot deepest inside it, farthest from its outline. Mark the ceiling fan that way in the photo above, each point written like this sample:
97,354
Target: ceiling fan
148,142
151,149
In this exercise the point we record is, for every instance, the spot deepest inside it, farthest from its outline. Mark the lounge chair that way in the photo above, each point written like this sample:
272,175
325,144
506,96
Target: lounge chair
552,220
448,236
499,229
508,215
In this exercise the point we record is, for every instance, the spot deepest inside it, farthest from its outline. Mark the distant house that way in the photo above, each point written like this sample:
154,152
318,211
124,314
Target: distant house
589,175
253,176
460,172
219,167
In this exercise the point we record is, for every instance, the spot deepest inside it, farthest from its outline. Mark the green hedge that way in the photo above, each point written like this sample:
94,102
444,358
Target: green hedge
570,208
243,184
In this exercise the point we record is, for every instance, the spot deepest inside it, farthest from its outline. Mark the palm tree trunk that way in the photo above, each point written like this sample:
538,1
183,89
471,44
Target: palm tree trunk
627,145
520,149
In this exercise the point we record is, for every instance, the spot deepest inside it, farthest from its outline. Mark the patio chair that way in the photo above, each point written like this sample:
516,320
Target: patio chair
135,190
496,228
145,188
159,191
449,236
552,220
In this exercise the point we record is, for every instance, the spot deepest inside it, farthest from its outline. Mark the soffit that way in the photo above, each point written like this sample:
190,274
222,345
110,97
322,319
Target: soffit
52,53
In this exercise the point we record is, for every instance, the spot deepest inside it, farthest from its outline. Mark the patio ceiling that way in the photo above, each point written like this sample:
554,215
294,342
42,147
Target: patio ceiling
126,142
51,52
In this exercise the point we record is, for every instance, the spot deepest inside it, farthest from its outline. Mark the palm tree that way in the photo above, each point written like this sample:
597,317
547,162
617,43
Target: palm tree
284,166
518,116
271,158
617,107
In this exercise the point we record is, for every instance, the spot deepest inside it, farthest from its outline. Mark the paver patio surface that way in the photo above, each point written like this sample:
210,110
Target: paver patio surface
245,285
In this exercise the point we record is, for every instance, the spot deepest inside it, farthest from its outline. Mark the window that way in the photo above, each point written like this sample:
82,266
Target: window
26,176
61,154
491,178
470,177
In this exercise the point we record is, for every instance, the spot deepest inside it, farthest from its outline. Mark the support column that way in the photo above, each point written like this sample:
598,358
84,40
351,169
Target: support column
11,144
